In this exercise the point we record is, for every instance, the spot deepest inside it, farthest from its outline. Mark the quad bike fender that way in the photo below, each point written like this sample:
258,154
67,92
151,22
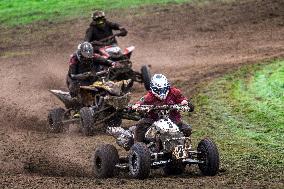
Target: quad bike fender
103,52
128,51
66,98
113,87
118,102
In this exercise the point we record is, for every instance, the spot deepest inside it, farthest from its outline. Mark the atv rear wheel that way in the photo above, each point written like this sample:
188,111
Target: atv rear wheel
139,161
55,120
209,154
104,160
174,168
146,76
87,121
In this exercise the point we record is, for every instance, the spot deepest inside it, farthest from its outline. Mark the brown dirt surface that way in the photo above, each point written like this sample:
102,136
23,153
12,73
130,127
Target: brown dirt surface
189,43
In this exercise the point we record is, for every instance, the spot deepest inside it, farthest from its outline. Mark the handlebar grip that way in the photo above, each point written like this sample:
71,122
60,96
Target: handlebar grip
80,76
101,73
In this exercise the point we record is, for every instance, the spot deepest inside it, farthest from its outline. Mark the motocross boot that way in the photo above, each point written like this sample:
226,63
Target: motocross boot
185,128
124,138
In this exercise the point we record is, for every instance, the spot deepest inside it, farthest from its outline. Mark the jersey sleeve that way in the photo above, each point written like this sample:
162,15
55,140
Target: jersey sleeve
72,65
146,100
178,95
141,100
101,60
89,35
113,25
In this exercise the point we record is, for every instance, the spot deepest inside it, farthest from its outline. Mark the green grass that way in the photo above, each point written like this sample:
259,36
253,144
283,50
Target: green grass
17,12
244,113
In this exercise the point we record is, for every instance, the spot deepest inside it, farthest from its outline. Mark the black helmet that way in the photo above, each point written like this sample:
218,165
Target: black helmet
85,51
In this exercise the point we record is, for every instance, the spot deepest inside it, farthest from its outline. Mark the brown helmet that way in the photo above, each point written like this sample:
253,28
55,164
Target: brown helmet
98,14
99,18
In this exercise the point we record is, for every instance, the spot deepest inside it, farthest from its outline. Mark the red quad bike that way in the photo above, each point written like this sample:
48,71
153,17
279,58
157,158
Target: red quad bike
113,52
166,147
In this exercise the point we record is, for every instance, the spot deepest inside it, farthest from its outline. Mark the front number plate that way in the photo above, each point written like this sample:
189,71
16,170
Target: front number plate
179,152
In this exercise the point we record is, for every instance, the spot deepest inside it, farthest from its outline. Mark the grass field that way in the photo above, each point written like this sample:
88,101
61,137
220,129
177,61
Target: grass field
243,113
17,12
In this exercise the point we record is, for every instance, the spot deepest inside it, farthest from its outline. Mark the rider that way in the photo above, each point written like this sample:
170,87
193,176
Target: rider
161,93
100,28
84,61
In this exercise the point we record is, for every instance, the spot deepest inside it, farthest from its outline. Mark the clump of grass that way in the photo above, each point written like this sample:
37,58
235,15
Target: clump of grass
244,113
18,12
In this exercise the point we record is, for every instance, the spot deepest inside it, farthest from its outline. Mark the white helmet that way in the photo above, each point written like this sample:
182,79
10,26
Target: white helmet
85,50
160,86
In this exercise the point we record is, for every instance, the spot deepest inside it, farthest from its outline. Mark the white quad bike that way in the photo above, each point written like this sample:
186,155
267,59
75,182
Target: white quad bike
165,147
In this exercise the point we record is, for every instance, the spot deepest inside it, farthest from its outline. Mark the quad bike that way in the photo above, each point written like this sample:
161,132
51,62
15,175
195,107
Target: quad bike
99,103
165,147
112,51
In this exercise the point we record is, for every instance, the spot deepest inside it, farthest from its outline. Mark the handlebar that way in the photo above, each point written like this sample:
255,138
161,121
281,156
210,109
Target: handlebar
86,75
104,72
147,108
110,37
106,39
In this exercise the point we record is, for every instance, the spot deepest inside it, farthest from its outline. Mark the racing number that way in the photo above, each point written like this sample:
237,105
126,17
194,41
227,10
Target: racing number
170,125
179,152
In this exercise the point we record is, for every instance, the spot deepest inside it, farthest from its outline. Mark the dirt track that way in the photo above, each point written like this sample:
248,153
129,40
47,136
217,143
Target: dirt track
187,43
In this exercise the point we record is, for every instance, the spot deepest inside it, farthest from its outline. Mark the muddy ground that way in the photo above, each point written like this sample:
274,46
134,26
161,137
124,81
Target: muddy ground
189,42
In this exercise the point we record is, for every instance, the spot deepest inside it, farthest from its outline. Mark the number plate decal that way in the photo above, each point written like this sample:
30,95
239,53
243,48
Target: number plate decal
179,152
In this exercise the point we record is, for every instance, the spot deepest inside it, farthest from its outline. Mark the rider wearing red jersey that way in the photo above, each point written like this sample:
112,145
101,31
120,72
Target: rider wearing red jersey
161,93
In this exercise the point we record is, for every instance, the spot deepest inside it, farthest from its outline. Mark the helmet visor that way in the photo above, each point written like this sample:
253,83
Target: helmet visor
100,21
161,92
88,54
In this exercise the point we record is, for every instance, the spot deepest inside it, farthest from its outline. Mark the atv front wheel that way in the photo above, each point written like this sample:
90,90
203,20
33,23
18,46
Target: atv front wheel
87,121
174,168
208,153
104,160
139,161
146,76
55,120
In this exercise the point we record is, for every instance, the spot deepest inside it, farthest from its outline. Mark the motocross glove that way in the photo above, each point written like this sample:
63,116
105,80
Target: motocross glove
111,63
184,102
81,76
123,32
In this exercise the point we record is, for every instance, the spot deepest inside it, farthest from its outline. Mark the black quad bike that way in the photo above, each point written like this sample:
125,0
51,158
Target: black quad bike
99,104
165,147
112,51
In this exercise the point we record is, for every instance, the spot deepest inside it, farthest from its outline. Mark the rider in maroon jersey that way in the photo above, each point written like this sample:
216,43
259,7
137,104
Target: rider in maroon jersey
84,61
161,93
